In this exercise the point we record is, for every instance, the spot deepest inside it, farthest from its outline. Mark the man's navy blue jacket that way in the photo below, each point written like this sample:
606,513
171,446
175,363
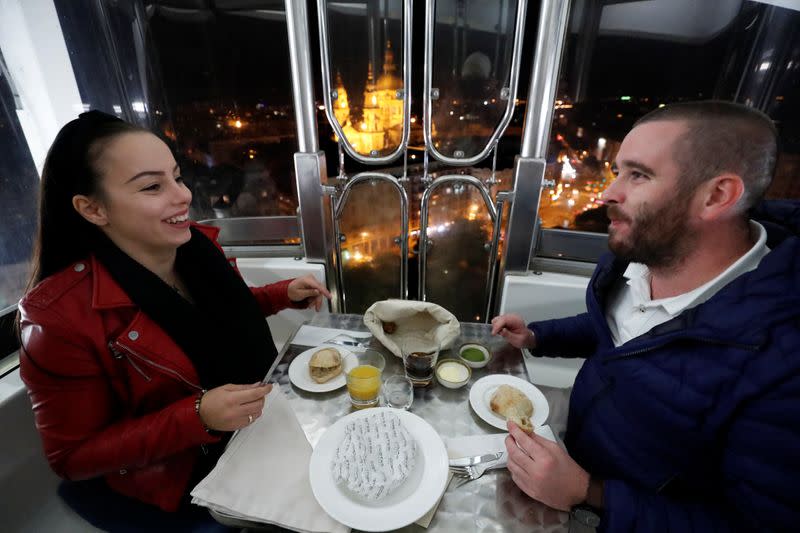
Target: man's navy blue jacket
695,425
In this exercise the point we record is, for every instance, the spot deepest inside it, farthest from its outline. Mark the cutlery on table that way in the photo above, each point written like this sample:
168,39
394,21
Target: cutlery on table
474,470
466,461
348,343
362,342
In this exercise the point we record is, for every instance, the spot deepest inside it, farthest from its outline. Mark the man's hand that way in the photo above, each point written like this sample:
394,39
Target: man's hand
308,288
513,329
544,471
231,407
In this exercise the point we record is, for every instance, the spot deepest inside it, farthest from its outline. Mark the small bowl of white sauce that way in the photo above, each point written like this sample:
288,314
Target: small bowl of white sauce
452,373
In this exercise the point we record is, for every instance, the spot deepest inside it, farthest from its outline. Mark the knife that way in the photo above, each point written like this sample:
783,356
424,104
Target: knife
468,461
347,343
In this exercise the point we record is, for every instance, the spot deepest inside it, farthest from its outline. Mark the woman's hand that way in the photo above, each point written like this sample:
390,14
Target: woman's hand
231,407
544,471
513,329
309,289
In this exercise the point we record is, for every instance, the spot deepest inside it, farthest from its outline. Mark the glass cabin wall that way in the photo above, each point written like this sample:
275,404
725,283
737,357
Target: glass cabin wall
212,81
459,223
19,186
369,233
473,47
366,61
623,60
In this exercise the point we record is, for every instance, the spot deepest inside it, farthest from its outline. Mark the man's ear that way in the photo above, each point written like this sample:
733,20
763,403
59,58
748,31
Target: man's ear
90,209
720,196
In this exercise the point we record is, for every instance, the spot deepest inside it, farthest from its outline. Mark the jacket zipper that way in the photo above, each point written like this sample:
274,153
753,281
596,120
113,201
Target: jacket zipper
116,346
706,340
119,355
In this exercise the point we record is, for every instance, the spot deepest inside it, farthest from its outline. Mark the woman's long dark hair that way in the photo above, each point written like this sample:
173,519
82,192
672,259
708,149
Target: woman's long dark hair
63,235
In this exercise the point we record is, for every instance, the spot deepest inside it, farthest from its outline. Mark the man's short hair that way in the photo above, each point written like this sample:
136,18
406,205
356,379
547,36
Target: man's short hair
723,137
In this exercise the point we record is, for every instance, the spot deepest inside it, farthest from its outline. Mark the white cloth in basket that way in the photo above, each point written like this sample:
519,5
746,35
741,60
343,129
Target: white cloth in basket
426,324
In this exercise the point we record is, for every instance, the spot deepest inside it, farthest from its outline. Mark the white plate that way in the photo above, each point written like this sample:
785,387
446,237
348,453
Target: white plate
481,394
300,377
407,504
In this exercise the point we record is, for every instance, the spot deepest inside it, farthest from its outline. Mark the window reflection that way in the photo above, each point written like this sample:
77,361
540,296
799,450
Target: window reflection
370,256
211,78
472,54
228,90
460,227
616,68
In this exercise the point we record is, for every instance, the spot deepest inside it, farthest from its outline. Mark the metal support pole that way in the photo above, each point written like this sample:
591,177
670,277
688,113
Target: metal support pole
302,79
313,205
530,165
551,34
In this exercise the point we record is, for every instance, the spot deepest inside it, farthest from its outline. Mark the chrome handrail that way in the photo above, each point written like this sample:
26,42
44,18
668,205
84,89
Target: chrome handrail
322,13
516,58
530,166
502,198
423,219
339,200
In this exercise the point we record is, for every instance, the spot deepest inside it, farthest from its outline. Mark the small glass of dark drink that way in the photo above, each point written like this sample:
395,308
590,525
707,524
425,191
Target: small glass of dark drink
419,360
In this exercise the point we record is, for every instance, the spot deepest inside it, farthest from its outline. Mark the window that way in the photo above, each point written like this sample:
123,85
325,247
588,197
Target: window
213,80
19,183
366,73
623,60
472,79
474,45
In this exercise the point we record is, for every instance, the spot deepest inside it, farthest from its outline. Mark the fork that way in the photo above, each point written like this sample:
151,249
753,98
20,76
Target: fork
471,472
362,342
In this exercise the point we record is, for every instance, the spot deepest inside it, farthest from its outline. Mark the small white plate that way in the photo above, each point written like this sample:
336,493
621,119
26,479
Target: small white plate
301,378
481,394
407,504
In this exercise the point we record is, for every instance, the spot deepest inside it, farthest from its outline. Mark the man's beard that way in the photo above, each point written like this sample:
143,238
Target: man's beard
658,237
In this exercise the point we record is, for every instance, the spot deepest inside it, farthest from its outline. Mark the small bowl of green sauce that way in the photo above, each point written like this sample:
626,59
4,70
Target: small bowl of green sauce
474,355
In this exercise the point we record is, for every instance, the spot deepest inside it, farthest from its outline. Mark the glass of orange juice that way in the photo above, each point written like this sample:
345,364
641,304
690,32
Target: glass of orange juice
364,380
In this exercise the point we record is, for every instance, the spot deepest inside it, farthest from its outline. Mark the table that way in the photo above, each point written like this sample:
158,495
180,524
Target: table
491,503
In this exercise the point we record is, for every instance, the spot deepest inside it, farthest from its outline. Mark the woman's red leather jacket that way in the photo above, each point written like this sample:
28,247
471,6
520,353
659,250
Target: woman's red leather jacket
112,394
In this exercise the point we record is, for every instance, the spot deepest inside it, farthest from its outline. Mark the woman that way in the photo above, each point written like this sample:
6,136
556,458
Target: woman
142,347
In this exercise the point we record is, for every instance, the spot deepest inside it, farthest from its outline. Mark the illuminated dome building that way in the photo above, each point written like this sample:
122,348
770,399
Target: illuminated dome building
382,112
341,109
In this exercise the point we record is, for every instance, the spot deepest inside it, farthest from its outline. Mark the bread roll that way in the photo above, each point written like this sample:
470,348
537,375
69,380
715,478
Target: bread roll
524,423
510,403
325,365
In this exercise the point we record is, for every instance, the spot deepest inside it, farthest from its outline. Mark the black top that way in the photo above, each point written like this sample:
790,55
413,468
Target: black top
223,333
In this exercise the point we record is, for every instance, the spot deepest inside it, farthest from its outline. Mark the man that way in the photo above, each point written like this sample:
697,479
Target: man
686,414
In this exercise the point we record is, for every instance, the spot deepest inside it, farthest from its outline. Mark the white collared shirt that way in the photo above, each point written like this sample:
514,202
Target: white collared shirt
631,312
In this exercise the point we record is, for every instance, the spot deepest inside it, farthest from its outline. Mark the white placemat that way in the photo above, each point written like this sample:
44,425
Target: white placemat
263,474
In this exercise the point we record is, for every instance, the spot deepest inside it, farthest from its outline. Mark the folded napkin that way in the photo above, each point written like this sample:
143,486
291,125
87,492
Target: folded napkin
263,474
314,335
482,444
